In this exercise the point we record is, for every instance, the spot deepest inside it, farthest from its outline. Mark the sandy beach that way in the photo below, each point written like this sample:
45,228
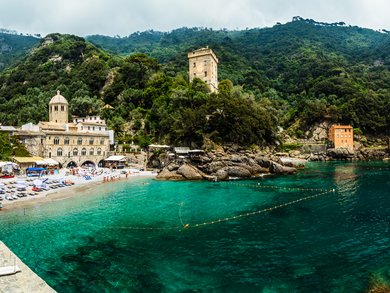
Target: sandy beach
80,186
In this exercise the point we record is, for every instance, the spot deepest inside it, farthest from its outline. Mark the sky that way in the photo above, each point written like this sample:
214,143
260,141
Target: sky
123,17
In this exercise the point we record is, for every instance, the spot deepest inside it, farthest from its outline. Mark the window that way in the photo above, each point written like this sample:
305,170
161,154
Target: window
56,140
91,141
75,152
205,74
55,108
194,64
93,128
89,128
66,141
83,152
79,141
194,74
100,128
62,108
91,152
99,151
102,141
59,152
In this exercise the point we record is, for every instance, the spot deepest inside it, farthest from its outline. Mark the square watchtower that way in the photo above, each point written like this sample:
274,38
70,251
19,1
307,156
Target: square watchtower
203,64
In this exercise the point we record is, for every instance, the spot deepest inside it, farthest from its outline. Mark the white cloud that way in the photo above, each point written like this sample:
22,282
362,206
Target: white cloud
123,17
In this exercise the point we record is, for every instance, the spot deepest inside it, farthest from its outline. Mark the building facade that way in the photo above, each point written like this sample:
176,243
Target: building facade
341,136
203,64
85,141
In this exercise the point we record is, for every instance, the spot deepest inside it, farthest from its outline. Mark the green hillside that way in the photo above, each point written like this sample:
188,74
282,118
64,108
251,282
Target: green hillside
291,74
14,46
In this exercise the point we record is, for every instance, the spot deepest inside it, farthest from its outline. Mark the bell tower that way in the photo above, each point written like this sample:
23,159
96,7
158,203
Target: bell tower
58,109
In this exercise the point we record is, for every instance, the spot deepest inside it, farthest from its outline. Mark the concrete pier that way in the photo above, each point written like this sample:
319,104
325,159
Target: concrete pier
21,282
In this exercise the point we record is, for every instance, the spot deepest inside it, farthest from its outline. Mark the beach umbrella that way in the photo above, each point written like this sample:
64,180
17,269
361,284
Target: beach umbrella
37,182
20,186
21,182
2,184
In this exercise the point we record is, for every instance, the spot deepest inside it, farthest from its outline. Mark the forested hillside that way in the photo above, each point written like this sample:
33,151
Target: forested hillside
14,46
290,75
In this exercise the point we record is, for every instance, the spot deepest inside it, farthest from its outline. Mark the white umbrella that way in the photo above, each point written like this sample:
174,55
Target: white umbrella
2,184
20,186
21,182
37,182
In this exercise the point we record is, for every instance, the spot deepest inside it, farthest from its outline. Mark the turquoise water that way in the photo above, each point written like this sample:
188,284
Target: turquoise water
113,239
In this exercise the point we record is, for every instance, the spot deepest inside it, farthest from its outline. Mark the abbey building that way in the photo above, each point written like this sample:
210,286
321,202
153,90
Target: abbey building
84,141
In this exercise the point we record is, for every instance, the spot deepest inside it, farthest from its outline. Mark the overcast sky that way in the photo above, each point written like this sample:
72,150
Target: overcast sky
123,17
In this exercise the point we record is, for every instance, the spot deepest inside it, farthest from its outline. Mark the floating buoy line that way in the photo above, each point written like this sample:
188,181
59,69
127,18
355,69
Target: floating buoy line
184,226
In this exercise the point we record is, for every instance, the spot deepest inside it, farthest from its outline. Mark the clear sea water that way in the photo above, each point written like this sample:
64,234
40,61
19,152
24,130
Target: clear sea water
337,242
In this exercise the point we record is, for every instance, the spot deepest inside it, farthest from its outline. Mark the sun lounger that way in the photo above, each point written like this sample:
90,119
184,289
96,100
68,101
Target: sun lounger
10,270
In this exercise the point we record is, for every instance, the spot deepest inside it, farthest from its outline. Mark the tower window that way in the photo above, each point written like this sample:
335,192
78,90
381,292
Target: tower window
59,152
62,108
55,108
194,64
57,140
205,74
194,74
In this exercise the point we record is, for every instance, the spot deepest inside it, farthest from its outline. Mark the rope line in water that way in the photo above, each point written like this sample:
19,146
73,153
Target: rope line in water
274,187
260,211
197,225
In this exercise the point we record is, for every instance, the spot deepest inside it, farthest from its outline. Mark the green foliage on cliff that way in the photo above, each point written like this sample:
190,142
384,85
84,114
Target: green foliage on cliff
296,74
13,47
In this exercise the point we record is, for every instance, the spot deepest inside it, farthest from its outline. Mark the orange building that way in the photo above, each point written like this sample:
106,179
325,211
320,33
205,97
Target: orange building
341,136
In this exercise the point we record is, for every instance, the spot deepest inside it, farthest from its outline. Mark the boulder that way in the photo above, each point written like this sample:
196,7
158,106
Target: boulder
215,166
165,174
263,162
190,172
279,169
172,167
222,174
237,171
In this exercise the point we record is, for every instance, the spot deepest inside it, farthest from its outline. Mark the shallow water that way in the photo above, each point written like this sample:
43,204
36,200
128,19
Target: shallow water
128,236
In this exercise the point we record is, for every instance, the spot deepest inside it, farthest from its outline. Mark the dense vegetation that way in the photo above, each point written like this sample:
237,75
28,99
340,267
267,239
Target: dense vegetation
13,46
293,74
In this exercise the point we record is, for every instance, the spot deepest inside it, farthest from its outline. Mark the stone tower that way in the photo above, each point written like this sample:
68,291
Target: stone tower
203,64
58,109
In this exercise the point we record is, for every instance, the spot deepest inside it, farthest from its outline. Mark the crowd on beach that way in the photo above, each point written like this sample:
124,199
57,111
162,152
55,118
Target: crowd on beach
22,188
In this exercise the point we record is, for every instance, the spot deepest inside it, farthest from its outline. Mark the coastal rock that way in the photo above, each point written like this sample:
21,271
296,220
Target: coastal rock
190,172
172,167
165,174
236,171
279,169
222,174
263,162
215,166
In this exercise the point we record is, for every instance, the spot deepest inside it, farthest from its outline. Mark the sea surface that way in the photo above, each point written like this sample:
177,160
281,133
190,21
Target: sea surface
151,236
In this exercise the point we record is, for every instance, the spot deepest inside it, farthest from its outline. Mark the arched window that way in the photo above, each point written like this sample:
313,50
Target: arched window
84,152
99,151
79,140
59,152
91,141
102,141
55,108
66,141
56,140
75,152
91,152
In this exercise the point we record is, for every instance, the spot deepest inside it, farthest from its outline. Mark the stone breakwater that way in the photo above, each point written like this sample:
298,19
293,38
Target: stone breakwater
24,281
217,165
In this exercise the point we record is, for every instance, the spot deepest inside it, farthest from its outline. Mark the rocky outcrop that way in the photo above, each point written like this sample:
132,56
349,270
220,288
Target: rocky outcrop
165,174
280,169
340,153
189,172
